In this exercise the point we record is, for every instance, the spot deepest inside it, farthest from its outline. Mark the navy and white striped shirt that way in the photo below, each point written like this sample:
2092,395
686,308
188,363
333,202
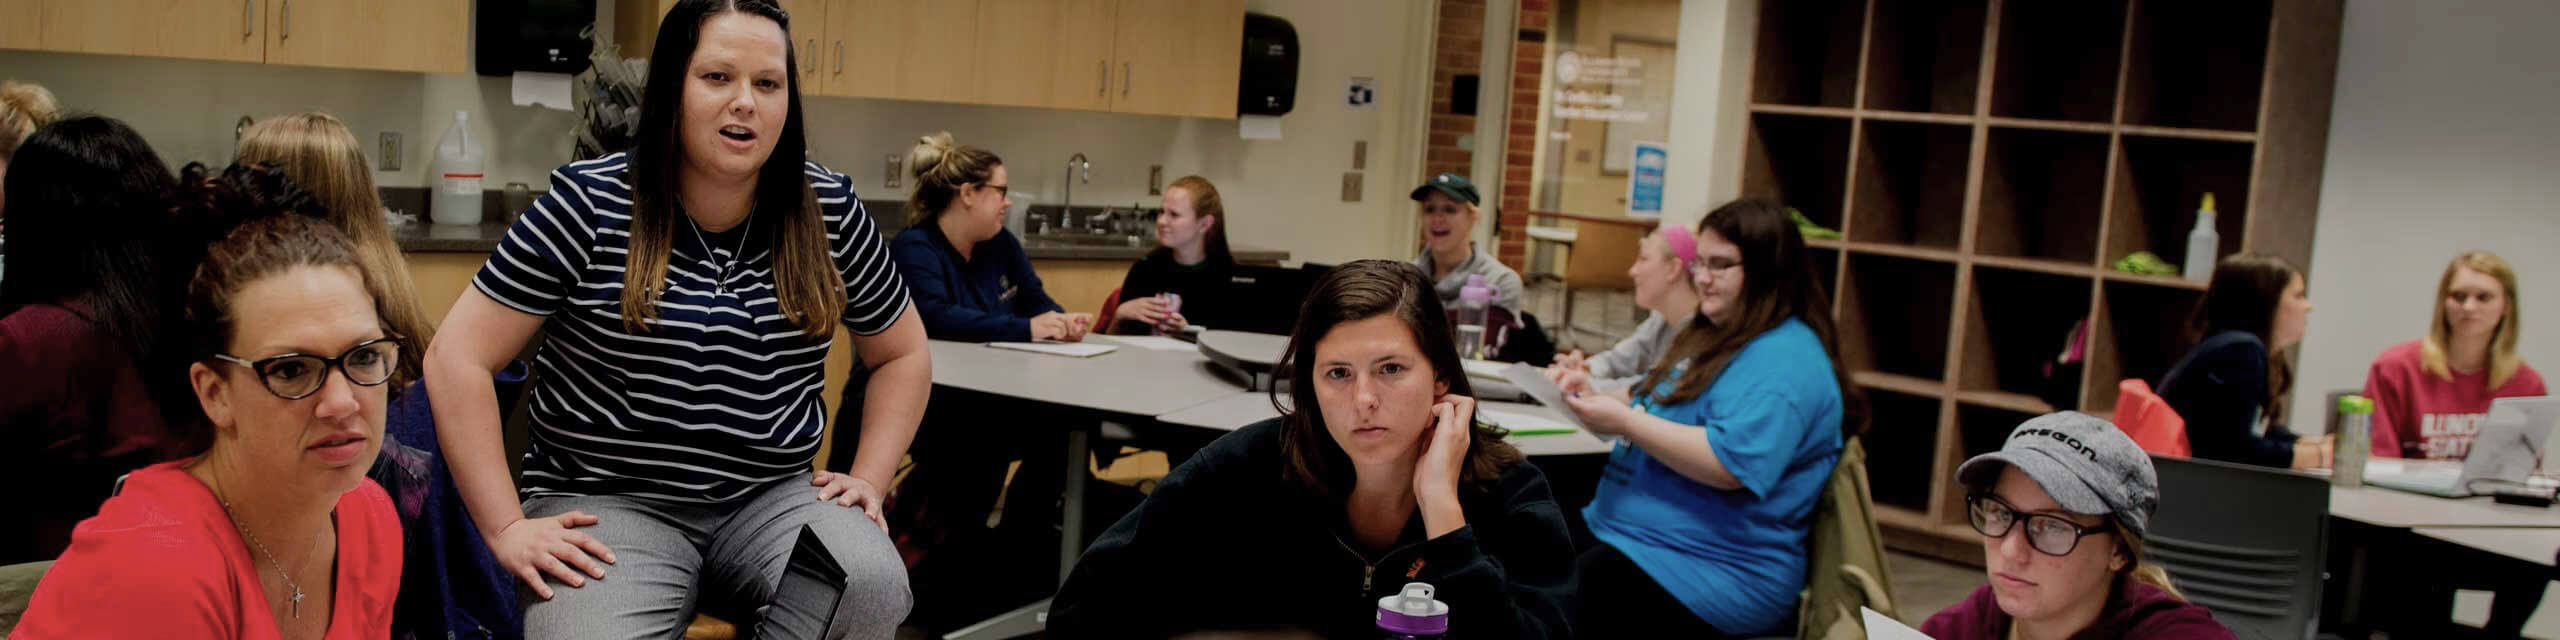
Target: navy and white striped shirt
724,396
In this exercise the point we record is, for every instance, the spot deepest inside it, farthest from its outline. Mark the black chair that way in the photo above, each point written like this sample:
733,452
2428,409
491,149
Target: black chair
2247,542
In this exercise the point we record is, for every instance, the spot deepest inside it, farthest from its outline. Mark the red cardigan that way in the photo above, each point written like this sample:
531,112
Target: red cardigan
163,561
74,415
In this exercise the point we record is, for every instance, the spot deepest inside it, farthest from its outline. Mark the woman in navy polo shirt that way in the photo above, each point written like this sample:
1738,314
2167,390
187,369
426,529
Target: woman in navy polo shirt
1705,506
687,293
969,275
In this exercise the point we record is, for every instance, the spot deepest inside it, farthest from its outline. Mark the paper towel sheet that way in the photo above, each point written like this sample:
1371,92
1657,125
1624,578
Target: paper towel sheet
1258,127
546,89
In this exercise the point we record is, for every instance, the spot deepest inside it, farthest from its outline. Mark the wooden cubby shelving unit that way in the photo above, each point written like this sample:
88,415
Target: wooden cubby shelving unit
1988,160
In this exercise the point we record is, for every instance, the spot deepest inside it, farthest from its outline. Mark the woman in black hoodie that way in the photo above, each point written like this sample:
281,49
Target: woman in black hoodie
1305,521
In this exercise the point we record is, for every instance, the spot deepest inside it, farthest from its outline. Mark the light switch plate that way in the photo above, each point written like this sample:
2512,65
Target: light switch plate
390,159
1155,179
1359,155
1350,186
889,171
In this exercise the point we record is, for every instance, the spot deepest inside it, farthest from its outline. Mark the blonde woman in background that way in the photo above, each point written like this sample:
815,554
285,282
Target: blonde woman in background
322,156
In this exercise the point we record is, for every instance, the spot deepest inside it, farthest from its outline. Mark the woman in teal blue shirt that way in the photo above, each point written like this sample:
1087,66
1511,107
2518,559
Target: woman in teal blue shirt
1704,509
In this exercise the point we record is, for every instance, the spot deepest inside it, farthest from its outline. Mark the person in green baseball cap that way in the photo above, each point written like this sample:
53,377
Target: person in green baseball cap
1449,217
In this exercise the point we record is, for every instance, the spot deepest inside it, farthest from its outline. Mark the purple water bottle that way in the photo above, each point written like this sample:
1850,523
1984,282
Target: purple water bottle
1413,615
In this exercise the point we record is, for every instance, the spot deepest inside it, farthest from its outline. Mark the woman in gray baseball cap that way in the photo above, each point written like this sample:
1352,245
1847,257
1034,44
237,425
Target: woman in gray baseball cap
2063,509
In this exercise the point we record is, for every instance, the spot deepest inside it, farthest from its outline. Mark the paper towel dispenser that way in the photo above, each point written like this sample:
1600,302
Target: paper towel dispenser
553,36
1268,83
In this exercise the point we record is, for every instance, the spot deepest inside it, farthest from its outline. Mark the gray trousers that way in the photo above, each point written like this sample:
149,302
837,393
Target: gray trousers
747,562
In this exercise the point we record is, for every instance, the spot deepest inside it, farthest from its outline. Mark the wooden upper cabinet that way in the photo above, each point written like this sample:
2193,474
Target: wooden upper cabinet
903,49
18,24
390,35
200,29
1179,57
635,25
1053,54
808,41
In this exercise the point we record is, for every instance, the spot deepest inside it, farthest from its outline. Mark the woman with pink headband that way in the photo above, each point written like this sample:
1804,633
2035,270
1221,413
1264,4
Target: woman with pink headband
1661,274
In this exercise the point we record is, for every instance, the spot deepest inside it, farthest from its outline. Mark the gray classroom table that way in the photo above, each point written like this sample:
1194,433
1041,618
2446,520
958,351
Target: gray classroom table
2395,509
1238,410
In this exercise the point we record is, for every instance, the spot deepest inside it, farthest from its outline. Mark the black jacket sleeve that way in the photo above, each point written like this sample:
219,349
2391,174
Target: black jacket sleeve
1508,572
1144,280
1128,584
2220,389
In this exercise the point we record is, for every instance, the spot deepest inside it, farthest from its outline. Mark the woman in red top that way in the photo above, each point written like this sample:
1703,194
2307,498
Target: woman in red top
2430,394
273,531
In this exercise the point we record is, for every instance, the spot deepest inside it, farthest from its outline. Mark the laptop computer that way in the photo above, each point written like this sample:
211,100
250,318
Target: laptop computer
2507,449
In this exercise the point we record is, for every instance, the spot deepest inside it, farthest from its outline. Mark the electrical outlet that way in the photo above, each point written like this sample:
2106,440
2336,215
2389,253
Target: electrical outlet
1350,186
1155,179
390,160
889,172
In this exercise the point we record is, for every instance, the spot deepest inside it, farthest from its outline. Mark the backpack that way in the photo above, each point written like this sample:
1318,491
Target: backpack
1846,567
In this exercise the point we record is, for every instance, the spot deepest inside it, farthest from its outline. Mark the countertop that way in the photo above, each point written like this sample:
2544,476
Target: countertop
483,237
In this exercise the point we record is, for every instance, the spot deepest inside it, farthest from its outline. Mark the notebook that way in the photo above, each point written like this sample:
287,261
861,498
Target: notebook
1520,424
1070,349
1155,343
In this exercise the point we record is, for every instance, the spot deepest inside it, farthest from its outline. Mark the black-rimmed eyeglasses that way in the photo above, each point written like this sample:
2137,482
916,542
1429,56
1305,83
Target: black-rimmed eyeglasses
295,376
2050,534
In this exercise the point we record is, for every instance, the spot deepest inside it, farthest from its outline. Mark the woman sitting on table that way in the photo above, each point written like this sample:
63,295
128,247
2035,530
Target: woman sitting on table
1193,262
2063,509
2230,388
686,293
2430,394
83,320
1703,512
272,531
1379,476
1661,275
970,276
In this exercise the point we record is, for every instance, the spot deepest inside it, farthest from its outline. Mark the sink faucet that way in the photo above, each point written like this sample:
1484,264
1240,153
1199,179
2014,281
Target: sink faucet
1078,169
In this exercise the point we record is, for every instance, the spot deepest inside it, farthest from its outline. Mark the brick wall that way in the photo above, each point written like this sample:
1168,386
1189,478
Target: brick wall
1459,52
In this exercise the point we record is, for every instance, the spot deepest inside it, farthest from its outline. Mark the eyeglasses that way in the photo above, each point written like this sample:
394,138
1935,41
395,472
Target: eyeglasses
2050,534
295,376
1708,266
1002,190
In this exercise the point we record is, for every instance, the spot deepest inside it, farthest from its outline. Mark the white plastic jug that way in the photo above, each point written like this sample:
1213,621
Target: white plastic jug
455,178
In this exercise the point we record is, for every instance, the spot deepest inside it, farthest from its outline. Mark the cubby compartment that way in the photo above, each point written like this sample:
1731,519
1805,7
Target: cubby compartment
1910,184
1931,61
2160,182
1981,429
1826,266
1799,161
2042,192
1894,315
2018,327
1902,431
2058,60
2141,330
2197,65
1808,53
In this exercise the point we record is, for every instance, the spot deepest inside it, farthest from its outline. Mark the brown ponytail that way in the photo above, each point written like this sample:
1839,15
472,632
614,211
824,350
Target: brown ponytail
942,168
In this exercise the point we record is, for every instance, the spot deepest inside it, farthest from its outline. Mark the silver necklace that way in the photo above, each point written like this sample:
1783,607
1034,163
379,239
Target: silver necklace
228,512
721,284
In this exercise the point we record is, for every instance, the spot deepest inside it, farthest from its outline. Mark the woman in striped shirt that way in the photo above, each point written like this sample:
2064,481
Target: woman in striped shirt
687,292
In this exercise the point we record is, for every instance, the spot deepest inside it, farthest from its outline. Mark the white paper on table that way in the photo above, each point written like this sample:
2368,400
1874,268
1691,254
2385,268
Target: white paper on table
1520,422
1072,349
1884,627
1155,343
546,89
1533,382
1483,368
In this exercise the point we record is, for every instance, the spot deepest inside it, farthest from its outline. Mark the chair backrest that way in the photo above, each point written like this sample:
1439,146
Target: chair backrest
1845,555
1110,310
2247,542
1601,254
2149,420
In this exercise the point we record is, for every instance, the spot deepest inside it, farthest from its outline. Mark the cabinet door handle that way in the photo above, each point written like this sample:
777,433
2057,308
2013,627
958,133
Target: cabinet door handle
839,57
1127,77
248,17
1103,88
284,21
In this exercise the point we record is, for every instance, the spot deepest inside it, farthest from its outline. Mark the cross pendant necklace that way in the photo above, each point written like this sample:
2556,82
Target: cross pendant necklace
262,550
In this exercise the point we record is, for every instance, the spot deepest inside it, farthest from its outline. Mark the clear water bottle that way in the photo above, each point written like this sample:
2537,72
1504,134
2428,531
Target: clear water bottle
2354,441
1475,304
1413,615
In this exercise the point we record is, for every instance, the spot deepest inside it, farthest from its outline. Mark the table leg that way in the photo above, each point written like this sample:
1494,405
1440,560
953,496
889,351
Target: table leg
1034,617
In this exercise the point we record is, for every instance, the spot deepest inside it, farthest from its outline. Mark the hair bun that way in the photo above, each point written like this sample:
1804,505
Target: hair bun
930,152
218,203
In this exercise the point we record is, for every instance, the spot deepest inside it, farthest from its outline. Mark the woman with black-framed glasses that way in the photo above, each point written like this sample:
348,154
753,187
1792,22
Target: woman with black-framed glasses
273,529
2063,509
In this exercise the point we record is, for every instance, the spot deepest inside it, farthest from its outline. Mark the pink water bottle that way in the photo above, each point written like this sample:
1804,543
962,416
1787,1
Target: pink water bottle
1413,615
